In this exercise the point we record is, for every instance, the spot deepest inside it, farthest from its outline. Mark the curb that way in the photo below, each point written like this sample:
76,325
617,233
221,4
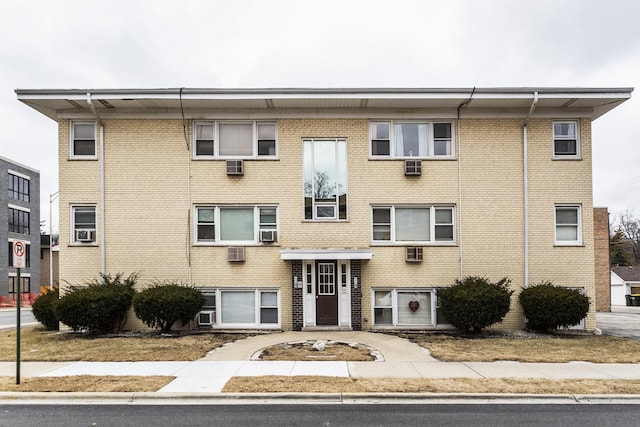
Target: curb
305,398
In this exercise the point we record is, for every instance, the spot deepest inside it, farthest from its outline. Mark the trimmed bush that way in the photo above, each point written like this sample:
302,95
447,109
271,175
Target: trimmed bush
548,307
43,309
474,303
164,303
99,306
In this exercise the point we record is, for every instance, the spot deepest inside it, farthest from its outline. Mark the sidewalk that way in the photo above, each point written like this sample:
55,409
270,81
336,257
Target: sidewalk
399,359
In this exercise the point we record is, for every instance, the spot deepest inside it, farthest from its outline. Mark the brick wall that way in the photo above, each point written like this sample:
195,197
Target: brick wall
602,263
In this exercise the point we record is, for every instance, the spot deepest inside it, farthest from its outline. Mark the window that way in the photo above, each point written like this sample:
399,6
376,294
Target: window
233,224
18,187
325,179
237,139
568,225
83,140
421,224
251,307
25,287
566,143
19,220
27,257
403,307
83,225
411,139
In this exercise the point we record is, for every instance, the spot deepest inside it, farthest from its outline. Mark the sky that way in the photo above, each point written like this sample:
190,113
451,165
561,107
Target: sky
79,44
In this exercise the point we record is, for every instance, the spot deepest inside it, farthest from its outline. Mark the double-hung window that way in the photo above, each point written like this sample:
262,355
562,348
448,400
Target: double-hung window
413,224
235,139
18,186
83,224
19,220
234,224
14,288
566,143
249,308
411,139
83,140
568,223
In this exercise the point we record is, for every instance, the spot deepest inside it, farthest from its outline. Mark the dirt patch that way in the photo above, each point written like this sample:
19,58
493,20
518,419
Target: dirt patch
304,351
312,384
85,383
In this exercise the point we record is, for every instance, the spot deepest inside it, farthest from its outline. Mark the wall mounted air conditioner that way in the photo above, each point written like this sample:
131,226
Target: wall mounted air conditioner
413,254
83,235
268,236
206,318
413,167
235,253
235,167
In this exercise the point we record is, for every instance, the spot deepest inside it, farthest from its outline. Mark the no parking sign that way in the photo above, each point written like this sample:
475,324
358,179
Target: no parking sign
19,254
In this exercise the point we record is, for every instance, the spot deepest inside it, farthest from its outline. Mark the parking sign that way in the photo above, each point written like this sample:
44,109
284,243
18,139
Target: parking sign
19,254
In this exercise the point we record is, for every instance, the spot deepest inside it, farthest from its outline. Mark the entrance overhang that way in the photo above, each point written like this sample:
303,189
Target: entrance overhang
302,254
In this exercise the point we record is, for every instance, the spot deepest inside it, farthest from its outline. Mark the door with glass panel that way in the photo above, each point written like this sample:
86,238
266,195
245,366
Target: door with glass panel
326,293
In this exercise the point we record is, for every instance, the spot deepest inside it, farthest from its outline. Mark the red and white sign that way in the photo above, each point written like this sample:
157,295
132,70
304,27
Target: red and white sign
19,254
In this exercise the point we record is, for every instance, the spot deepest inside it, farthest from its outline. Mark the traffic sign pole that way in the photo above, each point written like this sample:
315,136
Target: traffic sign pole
19,261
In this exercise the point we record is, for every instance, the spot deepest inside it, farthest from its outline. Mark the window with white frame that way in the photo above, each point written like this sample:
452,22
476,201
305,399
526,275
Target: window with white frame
403,307
413,224
83,140
19,220
411,139
18,186
249,308
83,224
235,139
325,179
233,224
566,143
568,224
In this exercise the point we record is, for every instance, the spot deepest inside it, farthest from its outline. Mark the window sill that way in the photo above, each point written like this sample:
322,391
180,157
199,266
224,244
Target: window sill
321,221
568,245
222,159
227,244
405,244
389,158
561,158
80,158
83,245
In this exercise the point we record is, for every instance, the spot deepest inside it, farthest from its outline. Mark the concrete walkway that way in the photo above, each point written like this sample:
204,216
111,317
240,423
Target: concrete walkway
401,359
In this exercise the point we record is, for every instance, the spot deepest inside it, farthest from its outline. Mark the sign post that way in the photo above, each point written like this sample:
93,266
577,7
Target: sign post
19,261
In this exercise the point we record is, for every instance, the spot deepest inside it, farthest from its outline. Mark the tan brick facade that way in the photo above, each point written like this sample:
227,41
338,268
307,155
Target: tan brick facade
602,262
152,185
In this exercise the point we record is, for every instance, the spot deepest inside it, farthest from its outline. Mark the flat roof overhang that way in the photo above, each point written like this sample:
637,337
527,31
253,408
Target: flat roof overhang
325,254
67,103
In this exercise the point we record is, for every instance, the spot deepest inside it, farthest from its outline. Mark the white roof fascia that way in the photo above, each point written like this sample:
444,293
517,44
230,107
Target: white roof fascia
325,254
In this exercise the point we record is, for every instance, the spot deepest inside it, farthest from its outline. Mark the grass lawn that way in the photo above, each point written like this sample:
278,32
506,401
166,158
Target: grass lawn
37,345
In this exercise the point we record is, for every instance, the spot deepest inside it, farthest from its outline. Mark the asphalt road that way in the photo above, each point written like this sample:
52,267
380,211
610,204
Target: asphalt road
620,324
8,317
308,415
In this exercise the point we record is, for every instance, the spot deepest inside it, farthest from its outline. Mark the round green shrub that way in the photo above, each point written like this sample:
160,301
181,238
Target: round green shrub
474,303
43,309
98,307
162,304
548,307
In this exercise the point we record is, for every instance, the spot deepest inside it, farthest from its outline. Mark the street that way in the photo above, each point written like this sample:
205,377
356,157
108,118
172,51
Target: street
584,415
8,317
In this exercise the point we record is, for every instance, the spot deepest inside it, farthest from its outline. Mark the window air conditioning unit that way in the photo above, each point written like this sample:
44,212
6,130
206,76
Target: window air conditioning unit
83,235
413,167
235,167
267,236
414,254
206,318
235,253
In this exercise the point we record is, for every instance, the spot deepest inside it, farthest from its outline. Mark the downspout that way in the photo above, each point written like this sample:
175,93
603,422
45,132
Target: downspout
525,159
102,233
459,207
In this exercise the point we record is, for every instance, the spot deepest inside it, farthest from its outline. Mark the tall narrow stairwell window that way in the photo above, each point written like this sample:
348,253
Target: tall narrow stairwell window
325,179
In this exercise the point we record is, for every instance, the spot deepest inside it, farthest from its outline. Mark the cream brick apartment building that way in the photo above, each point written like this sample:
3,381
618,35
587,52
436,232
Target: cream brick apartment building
328,208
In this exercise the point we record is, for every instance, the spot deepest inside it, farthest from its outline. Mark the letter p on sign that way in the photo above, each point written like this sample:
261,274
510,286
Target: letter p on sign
19,254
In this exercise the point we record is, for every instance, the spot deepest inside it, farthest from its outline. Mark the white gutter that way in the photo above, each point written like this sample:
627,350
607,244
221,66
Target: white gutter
525,160
102,209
